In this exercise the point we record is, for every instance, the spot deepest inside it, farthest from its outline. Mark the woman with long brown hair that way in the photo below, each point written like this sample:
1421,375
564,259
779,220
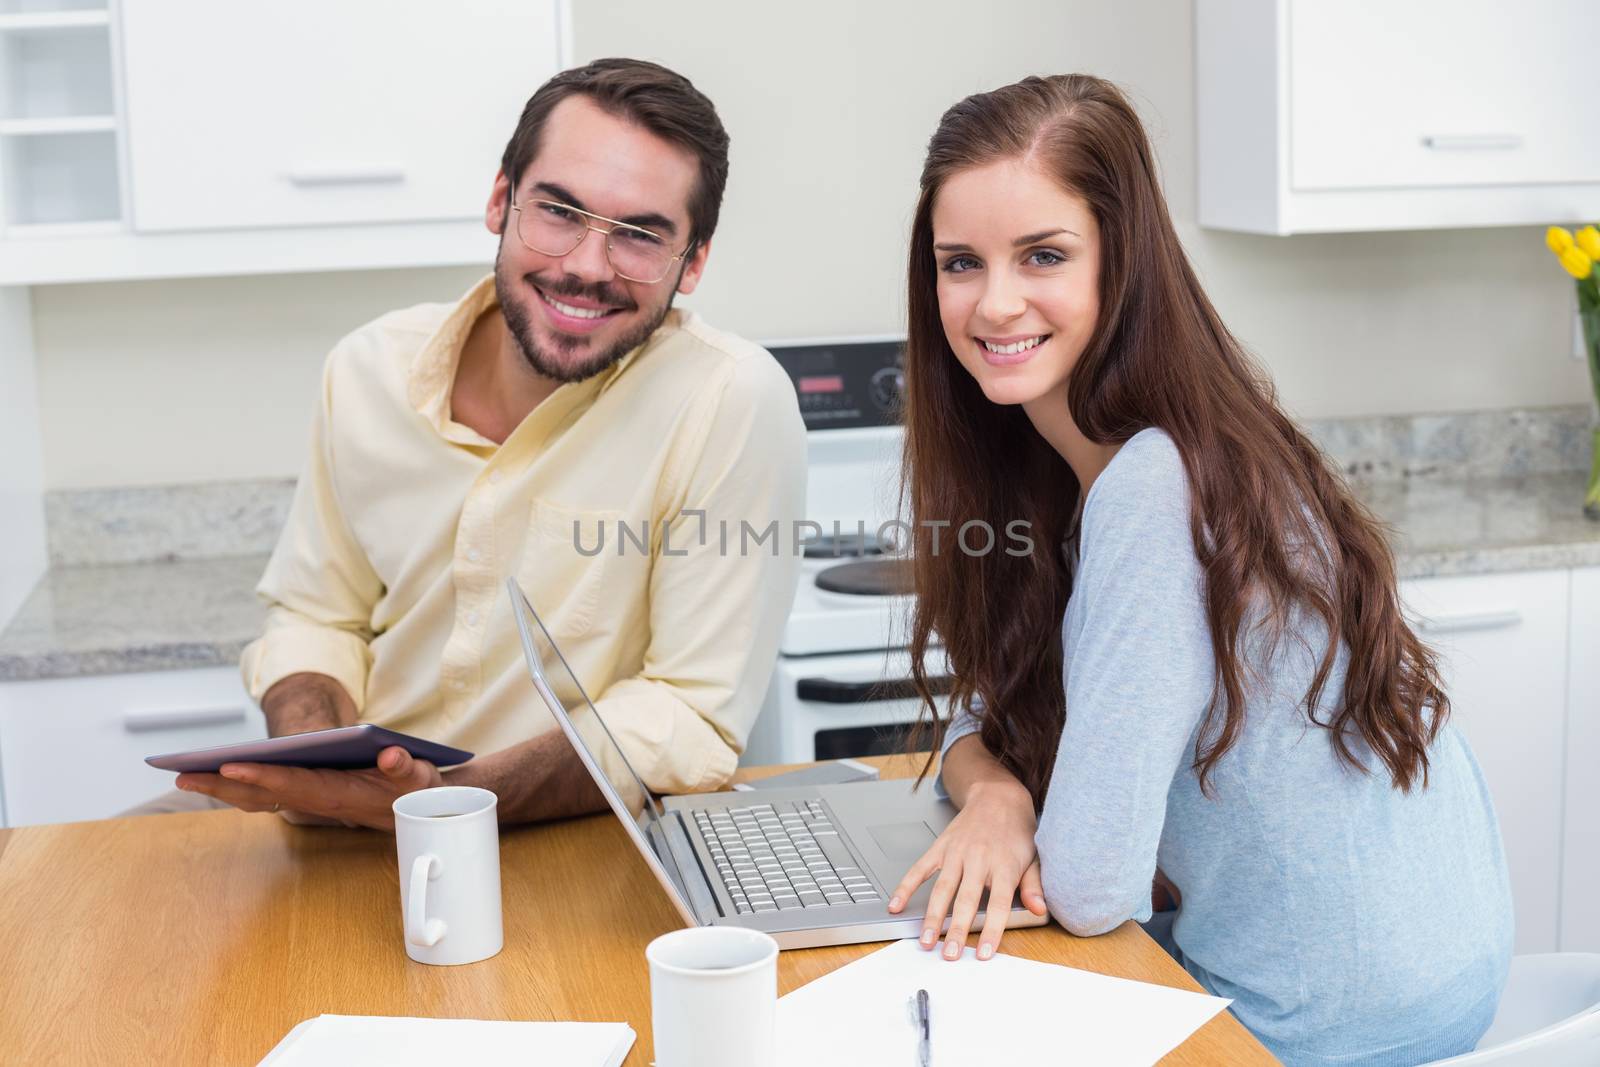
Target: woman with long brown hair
1200,676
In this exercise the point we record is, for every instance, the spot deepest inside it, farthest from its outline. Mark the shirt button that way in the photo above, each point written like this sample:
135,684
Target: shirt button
472,618
494,477
458,685
473,555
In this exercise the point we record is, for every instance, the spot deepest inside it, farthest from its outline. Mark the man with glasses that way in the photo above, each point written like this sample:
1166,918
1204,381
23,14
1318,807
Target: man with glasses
564,424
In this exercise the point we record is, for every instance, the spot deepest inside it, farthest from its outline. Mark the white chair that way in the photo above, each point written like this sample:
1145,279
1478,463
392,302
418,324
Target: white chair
1549,1015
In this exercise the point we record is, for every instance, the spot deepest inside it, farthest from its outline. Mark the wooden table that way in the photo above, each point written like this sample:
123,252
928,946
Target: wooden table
203,938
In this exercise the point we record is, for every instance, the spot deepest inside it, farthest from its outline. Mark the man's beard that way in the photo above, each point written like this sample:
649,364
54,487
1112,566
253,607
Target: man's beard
518,322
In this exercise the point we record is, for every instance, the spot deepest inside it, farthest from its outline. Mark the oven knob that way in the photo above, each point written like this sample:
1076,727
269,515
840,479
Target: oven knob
885,388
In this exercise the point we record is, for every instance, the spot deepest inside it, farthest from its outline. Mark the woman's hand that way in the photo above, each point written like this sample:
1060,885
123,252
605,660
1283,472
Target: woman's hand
989,845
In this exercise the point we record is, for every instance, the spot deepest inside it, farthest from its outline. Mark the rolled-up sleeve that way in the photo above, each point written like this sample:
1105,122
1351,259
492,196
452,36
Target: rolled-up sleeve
319,586
718,604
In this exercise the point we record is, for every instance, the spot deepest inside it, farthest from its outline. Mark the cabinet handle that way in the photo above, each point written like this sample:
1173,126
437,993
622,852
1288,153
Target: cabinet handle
312,174
1470,620
138,722
1473,142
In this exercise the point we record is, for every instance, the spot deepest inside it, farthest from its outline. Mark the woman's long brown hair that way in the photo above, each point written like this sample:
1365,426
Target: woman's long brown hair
1280,540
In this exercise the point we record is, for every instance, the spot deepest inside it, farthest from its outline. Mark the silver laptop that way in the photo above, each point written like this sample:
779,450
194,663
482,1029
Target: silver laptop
810,865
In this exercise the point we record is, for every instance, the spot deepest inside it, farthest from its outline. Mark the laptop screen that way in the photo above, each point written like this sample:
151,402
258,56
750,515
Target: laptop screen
555,679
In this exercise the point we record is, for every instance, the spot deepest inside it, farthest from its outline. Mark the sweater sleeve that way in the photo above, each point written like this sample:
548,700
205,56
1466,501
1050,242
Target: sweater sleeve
1139,678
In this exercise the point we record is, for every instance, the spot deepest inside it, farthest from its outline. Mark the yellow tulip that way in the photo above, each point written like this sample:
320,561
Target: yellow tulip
1577,263
1589,241
1558,239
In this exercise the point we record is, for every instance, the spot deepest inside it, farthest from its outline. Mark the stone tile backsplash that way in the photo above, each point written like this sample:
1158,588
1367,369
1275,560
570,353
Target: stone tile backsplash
217,519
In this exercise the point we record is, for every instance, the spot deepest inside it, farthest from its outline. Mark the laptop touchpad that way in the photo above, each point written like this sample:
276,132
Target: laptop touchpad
904,841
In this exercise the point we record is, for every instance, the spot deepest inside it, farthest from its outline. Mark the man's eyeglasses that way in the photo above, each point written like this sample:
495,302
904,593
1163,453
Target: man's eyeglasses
555,229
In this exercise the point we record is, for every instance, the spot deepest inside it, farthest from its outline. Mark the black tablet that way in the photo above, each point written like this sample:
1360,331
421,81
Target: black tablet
345,748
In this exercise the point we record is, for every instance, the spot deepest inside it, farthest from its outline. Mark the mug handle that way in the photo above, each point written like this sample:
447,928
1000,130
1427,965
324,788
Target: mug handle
421,930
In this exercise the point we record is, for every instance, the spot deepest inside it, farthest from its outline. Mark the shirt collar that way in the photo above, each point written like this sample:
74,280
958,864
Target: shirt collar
433,369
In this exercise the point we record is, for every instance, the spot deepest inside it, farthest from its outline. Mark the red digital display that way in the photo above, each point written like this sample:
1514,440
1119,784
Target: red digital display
822,384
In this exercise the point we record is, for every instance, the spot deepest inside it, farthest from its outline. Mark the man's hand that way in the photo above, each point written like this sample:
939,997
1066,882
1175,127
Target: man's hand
354,798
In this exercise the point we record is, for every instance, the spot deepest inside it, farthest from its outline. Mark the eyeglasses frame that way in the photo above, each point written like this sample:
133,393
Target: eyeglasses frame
614,225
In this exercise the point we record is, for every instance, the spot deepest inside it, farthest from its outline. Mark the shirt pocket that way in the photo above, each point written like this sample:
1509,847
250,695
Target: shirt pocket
560,570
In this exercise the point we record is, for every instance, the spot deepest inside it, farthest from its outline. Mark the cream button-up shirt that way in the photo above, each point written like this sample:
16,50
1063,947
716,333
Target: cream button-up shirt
389,573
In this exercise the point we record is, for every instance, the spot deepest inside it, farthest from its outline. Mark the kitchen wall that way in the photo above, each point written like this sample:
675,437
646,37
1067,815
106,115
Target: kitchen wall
829,105
22,528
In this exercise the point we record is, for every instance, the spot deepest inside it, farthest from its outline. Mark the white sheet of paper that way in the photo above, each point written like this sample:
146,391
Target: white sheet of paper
1002,1010
382,1041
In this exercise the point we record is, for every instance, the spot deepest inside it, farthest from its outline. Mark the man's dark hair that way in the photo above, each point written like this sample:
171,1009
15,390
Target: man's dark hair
648,95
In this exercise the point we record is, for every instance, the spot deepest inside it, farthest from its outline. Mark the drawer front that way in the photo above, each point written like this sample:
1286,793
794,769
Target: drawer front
1440,93
1580,867
1503,641
305,112
74,749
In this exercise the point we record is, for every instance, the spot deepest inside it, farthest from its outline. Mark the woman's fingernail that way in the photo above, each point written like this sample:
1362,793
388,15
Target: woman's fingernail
894,903
927,938
985,951
952,949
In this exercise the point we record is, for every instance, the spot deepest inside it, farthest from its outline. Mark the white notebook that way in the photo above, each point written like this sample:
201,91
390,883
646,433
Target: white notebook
1001,1010
383,1041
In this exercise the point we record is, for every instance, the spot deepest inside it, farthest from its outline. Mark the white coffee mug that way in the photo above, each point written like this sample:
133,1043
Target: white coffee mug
713,997
448,839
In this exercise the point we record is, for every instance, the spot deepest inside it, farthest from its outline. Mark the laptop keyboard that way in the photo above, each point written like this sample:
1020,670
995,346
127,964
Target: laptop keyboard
774,857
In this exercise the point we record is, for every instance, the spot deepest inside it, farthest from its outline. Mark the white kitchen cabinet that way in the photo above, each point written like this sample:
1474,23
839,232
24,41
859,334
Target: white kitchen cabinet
1503,642
183,138
1369,115
74,748
1580,874
308,113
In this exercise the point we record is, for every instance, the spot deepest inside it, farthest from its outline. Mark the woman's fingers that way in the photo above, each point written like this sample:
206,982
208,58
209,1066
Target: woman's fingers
944,890
998,913
964,911
929,862
1032,889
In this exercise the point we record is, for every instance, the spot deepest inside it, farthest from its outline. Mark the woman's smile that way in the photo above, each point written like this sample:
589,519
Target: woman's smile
1008,352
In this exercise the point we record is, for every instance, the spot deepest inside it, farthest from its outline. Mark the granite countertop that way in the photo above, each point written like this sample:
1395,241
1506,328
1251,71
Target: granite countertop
116,618
1447,526
122,617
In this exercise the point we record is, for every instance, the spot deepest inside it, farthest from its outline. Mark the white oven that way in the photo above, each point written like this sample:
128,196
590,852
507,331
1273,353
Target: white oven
836,705
841,684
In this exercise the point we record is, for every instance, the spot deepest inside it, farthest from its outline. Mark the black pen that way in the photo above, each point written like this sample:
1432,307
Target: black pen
924,1052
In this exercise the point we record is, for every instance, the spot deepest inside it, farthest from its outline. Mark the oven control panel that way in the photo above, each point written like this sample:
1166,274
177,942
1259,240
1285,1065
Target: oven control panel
848,384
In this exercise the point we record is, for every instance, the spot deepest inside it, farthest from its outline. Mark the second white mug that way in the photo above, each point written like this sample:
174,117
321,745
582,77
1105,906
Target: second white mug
448,841
713,997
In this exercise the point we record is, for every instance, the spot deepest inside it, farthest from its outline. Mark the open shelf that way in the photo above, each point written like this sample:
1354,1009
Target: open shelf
59,157
58,178
56,73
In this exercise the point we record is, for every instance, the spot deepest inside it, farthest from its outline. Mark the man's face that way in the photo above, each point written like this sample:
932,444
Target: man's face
573,315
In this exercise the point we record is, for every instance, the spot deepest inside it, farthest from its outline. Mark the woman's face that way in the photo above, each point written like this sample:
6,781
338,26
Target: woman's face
1018,260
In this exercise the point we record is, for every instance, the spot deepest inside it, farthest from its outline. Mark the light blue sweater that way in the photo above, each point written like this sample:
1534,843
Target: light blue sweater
1351,923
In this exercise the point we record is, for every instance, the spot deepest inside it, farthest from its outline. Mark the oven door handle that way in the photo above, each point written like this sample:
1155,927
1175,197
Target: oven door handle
837,691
